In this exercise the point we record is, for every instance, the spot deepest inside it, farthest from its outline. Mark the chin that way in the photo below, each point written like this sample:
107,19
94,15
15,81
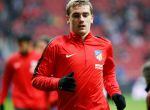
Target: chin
82,33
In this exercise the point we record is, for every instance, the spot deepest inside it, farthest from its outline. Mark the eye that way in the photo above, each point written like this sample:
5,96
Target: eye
76,15
85,15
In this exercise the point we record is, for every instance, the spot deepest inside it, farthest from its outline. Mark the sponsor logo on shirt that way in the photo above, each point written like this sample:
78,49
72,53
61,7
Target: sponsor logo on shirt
98,55
99,66
69,55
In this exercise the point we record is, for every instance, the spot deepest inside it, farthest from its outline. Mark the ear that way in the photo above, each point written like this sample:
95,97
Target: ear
68,19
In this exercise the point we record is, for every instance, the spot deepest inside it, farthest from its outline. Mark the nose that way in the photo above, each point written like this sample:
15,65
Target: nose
81,18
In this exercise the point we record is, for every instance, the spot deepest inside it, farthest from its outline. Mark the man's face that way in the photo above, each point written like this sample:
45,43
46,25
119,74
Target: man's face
80,19
24,47
40,46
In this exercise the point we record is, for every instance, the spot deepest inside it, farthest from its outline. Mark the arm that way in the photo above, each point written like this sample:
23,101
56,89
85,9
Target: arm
43,78
110,81
7,79
109,76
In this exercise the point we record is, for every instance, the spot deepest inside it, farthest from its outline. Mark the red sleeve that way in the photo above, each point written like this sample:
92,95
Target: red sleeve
6,81
110,82
43,77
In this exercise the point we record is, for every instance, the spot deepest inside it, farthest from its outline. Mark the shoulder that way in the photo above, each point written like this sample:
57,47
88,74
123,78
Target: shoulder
35,55
55,44
11,58
14,56
58,40
103,39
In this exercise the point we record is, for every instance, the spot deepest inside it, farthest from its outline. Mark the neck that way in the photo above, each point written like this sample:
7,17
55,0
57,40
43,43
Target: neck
84,36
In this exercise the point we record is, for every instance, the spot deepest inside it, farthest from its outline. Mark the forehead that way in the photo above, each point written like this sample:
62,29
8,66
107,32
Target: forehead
80,9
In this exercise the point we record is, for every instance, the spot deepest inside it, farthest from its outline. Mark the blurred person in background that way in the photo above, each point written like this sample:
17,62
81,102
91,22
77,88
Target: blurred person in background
18,72
39,47
40,44
146,73
79,65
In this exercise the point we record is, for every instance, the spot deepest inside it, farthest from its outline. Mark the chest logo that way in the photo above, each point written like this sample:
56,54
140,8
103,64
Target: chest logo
99,66
98,55
69,55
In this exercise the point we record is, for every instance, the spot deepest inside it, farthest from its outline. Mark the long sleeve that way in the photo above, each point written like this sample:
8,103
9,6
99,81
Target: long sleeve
6,81
43,78
110,82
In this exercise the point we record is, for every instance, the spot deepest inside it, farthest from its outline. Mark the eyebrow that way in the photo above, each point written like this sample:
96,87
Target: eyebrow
80,13
75,13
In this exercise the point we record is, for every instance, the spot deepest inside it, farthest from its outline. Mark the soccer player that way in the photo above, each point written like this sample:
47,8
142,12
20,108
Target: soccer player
79,65
18,71
146,73
40,44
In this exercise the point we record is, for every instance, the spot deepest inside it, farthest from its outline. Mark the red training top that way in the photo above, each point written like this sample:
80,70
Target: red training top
19,70
92,62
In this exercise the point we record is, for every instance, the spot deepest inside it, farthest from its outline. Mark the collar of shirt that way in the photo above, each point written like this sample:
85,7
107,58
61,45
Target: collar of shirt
78,39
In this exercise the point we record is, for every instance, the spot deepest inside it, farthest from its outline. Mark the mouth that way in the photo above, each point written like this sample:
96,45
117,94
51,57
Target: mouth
81,26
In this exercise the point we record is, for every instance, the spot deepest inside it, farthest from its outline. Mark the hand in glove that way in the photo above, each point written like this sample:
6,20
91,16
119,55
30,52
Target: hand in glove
119,101
67,83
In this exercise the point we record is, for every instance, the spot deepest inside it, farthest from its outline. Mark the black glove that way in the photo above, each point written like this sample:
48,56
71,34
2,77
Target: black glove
147,88
67,83
1,107
119,101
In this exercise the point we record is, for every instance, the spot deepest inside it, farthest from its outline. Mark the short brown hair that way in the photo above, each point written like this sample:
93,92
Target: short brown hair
73,3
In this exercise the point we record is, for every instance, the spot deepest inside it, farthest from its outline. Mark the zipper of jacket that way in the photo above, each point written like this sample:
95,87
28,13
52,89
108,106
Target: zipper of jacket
84,52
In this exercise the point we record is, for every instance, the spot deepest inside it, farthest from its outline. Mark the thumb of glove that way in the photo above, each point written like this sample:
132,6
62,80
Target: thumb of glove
71,74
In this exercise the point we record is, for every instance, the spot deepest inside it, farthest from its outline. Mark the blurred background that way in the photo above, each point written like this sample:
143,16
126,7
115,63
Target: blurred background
125,22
